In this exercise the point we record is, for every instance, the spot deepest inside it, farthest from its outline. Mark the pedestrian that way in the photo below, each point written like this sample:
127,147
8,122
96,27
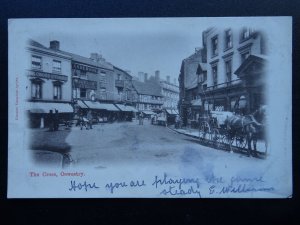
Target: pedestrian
51,120
56,120
90,119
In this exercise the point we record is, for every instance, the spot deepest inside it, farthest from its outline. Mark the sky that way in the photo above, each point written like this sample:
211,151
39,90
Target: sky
134,44
144,45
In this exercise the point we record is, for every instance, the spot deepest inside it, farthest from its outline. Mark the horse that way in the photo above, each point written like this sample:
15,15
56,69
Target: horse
251,126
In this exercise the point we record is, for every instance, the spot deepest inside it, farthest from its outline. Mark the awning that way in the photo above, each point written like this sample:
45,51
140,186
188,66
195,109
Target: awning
131,108
81,104
196,102
126,108
148,112
45,107
101,106
171,112
109,107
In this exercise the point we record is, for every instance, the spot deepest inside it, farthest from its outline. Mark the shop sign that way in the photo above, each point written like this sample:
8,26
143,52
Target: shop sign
87,84
47,75
84,68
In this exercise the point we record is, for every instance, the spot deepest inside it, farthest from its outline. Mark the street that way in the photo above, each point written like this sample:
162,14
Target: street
130,143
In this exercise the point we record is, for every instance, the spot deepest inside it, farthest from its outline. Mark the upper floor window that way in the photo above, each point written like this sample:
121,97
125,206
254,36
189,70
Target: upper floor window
57,90
228,39
228,68
246,33
214,44
36,89
56,66
83,93
119,76
215,74
36,62
83,74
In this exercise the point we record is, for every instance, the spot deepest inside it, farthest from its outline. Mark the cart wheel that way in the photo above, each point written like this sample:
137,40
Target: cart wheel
204,132
216,138
241,141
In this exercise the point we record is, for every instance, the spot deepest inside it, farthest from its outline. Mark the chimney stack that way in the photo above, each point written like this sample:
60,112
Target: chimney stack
168,79
145,77
157,76
174,80
140,76
54,45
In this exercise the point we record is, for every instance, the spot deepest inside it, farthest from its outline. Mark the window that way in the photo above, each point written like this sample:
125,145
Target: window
246,33
215,74
56,66
82,93
36,62
228,39
214,44
57,90
36,89
228,69
119,76
83,74
244,56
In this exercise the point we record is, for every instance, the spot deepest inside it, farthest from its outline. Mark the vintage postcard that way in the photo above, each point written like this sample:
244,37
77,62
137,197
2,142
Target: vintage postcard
150,108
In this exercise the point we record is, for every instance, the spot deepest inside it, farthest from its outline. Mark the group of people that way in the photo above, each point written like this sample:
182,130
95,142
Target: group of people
87,121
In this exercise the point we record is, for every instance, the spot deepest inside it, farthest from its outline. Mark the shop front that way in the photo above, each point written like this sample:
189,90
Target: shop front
41,114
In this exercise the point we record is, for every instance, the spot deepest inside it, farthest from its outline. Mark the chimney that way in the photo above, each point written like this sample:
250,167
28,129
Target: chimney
168,79
174,80
140,76
157,76
145,77
54,45
94,57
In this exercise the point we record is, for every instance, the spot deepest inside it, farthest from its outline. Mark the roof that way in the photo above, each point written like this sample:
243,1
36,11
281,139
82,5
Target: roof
74,57
88,61
117,68
261,59
147,88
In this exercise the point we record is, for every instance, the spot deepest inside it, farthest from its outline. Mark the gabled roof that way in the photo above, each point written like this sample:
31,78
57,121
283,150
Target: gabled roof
147,88
261,59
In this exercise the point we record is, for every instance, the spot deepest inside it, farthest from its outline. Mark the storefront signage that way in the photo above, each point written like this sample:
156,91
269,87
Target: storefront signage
87,84
84,68
48,75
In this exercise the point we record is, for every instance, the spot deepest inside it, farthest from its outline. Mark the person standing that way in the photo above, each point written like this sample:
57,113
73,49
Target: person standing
51,118
56,120
90,119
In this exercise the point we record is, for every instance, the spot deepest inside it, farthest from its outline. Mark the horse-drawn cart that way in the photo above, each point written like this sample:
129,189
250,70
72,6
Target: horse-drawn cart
225,130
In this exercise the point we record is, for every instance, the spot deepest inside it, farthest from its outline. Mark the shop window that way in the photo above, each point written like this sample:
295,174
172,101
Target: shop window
83,93
36,62
36,89
228,69
214,44
228,39
56,66
57,90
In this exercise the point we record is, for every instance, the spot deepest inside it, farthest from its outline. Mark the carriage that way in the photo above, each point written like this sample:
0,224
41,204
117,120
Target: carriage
228,131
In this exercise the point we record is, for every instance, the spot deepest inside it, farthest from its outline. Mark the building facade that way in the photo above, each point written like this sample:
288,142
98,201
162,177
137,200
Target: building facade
170,92
230,51
49,87
148,97
227,74
192,68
